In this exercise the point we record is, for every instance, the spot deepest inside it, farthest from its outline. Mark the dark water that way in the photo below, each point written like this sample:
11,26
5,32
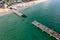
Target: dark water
13,27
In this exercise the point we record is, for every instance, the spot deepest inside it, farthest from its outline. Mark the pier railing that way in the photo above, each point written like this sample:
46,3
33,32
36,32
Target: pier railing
47,30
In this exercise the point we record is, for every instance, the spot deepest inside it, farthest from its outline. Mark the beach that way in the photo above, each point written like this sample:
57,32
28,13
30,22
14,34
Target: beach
19,7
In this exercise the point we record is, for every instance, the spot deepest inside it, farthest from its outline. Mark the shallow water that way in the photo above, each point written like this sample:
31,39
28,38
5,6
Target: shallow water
14,27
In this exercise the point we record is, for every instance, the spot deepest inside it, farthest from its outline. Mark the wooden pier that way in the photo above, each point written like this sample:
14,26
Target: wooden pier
47,30
18,13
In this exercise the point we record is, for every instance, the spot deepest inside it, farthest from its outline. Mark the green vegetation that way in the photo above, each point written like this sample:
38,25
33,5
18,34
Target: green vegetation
27,0
0,0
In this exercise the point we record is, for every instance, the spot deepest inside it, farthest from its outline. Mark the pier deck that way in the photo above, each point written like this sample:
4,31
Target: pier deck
47,30
19,13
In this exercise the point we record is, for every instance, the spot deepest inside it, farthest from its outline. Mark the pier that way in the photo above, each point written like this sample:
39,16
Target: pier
47,30
18,13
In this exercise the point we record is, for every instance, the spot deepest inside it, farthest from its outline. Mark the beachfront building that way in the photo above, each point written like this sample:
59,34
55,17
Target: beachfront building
8,2
13,1
26,0
2,4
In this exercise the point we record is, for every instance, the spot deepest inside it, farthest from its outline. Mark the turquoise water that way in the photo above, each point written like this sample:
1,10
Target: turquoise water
14,27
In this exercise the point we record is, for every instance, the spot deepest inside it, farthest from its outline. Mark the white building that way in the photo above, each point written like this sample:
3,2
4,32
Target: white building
19,0
12,1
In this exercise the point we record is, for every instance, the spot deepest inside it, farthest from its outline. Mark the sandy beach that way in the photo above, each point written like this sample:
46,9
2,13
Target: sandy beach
19,6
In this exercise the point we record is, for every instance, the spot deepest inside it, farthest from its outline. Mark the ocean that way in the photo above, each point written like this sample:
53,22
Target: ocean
14,27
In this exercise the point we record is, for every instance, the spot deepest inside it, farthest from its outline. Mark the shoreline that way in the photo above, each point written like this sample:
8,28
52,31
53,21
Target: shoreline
21,6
